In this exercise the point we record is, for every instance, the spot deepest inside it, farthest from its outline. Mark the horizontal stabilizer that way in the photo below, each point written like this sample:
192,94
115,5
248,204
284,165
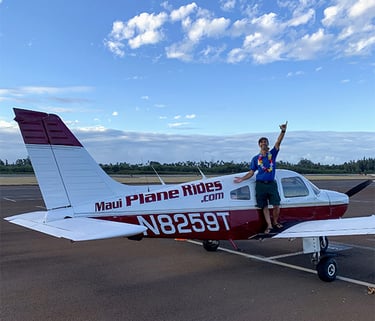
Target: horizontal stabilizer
76,228
334,227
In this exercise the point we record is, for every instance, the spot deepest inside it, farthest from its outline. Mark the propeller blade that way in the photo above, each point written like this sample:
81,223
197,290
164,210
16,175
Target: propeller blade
358,188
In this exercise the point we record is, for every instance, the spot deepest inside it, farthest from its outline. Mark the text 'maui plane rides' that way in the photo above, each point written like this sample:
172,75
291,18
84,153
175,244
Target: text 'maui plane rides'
84,203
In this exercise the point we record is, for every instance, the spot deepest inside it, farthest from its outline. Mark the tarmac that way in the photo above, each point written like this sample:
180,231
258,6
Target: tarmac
44,278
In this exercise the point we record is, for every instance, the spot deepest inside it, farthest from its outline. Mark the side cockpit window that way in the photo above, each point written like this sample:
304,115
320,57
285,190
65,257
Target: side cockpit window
294,187
242,193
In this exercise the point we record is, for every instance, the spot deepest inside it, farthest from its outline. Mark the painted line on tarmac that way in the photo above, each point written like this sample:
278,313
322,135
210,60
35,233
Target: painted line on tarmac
349,246
291,266
9,199
284,255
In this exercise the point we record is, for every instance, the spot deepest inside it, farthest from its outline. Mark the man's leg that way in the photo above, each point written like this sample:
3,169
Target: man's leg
275,201
266,213
262,202
276,213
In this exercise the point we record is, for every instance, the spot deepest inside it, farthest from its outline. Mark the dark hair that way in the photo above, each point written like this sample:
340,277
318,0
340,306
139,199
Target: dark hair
262,139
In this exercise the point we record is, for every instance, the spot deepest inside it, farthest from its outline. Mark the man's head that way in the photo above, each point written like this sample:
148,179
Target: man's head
263,143
263,140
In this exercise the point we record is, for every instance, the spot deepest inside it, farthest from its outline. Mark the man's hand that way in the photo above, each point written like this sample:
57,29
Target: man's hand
283,126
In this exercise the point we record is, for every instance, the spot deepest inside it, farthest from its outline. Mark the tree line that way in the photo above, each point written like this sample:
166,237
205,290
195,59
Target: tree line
304,166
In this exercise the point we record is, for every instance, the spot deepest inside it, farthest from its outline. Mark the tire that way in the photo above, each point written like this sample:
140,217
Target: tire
327,269
211,245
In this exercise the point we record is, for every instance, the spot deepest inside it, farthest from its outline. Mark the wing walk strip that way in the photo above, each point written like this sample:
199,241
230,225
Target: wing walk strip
291,266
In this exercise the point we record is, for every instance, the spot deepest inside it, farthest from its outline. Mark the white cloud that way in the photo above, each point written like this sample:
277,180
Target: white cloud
181,51
182,12
267,22
40,90
302,19
361,45
295,74
227,5
147,26
102,143
355,21
237,55
115,113
207,28
176,125
116,47
140,30
310,45
8,126
330,15
46,97
194,33
362,7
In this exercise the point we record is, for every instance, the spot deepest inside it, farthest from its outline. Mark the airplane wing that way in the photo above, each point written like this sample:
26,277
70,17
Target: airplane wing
333,227
76,228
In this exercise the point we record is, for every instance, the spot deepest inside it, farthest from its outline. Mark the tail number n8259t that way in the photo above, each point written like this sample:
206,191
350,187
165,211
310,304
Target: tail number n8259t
185,223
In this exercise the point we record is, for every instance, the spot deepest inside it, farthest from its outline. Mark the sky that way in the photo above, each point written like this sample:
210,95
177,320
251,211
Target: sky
172,81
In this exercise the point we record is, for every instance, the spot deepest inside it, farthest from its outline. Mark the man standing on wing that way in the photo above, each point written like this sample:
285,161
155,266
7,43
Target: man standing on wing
266,186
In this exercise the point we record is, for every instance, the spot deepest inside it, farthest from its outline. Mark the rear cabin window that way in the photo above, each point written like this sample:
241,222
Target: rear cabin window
242,193
294,187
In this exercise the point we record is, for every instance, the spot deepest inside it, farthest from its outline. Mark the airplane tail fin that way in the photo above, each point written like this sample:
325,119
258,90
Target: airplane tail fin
66,173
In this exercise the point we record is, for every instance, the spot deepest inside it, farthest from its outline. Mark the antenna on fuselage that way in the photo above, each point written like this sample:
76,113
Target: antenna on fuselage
203,176
160,179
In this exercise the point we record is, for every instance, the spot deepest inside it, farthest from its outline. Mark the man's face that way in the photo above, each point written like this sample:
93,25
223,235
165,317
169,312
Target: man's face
263,144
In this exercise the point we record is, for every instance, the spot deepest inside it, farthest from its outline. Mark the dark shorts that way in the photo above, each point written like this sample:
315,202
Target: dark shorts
266,193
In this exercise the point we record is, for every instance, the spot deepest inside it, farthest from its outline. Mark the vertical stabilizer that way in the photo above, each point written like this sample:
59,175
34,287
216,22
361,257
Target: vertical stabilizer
66,173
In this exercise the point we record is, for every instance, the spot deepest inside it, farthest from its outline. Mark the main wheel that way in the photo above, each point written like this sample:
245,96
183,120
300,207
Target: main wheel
211,245
327,269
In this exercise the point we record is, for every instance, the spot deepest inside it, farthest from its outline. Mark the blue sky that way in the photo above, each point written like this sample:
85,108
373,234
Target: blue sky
193,80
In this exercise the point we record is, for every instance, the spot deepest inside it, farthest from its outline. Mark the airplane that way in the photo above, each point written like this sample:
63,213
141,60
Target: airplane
84,203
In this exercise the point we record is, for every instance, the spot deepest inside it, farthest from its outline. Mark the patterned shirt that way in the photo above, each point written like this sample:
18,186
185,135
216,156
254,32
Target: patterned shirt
265,165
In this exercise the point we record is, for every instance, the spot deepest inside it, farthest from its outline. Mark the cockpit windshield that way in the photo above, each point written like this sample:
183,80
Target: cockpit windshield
294,187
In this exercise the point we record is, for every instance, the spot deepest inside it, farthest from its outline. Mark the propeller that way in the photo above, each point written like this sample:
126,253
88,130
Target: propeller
358,188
